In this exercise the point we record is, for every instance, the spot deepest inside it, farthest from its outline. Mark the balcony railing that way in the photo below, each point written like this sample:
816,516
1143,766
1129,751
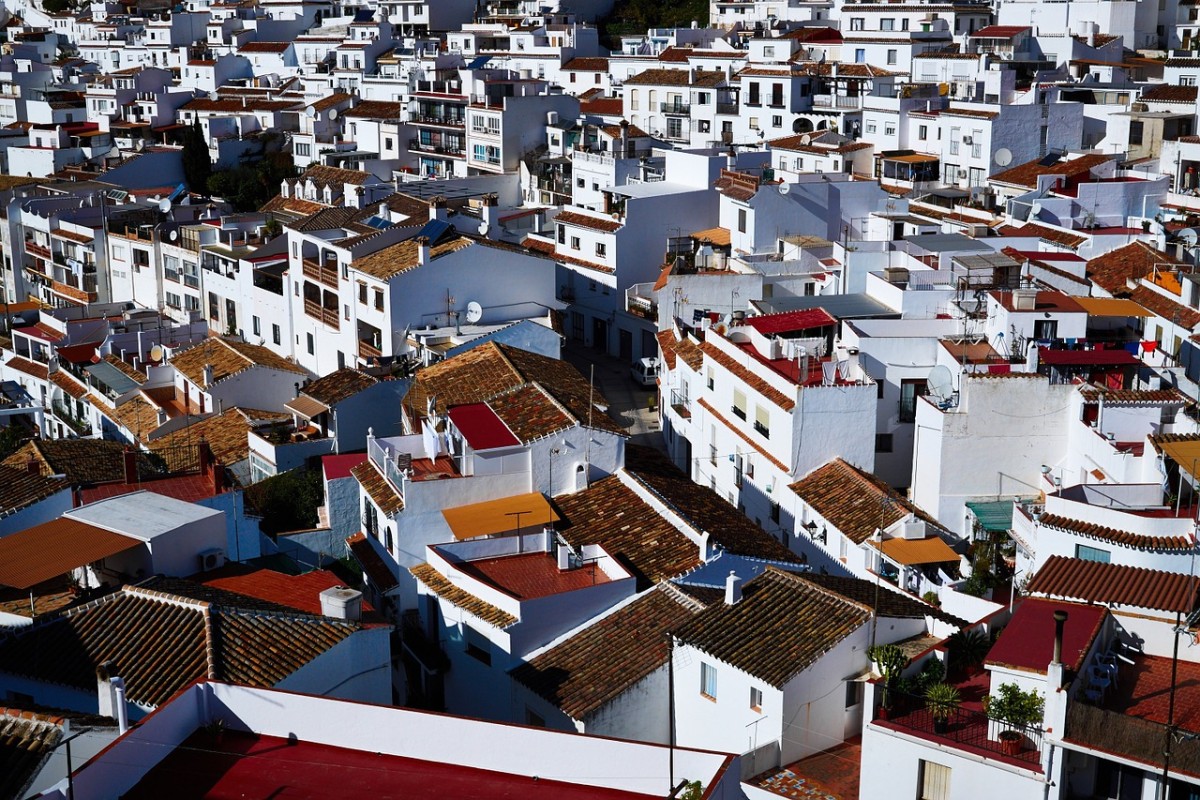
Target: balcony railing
641,307
681,109
328,316
367,350
681,404
448,120
321,272
727,108
436,147
381,457
37,250
836,101
78,425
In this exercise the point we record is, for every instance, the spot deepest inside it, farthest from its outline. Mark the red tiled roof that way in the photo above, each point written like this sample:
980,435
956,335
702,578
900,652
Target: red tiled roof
1027,174
1098,582
301,592
853,500
791,321
1032,229
1166,93
1136,541
443,588
1164,307
529,576
1133,261
585,221
596,665
480,426
28,367
782,625
377,488
747,377
1027,643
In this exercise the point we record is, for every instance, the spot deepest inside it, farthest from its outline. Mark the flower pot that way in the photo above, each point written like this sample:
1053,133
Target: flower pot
940,725
882,713
1010,743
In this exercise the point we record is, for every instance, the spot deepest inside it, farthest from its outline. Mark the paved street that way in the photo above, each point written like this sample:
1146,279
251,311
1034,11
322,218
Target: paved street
629,402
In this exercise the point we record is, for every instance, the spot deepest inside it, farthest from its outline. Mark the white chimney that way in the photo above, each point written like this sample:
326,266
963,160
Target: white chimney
564,558
705,538
422,250
341,602
118,686
208,375
733,589
110,695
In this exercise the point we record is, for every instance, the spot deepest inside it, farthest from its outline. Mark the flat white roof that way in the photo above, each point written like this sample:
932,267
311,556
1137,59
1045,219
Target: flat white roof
141,515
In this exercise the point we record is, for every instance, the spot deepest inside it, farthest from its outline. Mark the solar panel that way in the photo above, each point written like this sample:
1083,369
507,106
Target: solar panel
434,230
479,62
378,223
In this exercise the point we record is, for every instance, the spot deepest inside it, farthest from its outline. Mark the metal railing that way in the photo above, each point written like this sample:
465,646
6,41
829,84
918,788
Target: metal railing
382,458
682,109
836,101
965,728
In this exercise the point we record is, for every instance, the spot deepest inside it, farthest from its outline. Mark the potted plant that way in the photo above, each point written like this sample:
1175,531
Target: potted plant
1017,710
941,701
890,661
965,650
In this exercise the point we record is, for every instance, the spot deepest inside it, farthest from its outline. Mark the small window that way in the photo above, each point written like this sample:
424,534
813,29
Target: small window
756,698
574,242
741,220
478,646
708,680
934,781
762,422
1085,553
534,719
275,334
709,378
883,443
256,325
362,293
379,300
739,404
601,249
311,344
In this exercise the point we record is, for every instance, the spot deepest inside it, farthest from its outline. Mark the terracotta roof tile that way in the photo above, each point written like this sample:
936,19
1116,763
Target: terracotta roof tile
322,175
853,500
1093,393
137,376
80,461
701,507
224,432
678,77
583,673
608,513
228,357
33,368
1165,307
1097,582
742,435
443,588
782,625
161,642
377,488
134,415
264,47
1027,174
605,224
1166,93
338,386
1048,234
1136,541
582,64
69,384
1133,261
20,488
26,741
403,256
530,413
747,377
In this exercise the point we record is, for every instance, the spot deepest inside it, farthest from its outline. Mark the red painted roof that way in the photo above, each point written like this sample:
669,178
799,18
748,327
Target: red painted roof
531,575
1085,358
998,32
481,427
39,332
78,353
339,466
791,321
301,592
243,765
1028,641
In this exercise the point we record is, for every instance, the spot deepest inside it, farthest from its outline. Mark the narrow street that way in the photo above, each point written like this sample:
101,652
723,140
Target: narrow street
629,403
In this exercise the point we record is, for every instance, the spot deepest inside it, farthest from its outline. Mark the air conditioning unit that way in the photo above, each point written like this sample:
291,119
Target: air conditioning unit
962,173
213,558
968,140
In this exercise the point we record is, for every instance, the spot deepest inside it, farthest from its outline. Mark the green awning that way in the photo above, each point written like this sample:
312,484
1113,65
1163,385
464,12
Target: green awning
993,515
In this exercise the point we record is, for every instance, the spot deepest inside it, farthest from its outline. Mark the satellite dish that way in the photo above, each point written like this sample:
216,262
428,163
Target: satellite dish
1003,157
941,382
156,353
310,112
484,228
164,206
806,139
333,113
1188,236
1035,210
784,188
474,312
173,235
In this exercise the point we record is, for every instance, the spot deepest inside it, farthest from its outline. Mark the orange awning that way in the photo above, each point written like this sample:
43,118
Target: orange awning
1111,307
500,516
913,552
55,548
718,236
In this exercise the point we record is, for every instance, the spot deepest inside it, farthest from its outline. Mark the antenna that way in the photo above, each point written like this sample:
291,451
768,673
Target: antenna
474,312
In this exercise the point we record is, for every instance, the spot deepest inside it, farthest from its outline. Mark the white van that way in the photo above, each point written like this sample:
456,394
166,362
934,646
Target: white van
645,372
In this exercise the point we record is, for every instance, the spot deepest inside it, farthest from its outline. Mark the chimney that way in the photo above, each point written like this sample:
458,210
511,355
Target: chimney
110,695
341,602
564,558
208,375
437,208
624,138
129,462
1060,621
422,250
733,589
705,538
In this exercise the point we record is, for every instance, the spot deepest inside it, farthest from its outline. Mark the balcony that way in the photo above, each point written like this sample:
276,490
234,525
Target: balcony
67,417
678,109
681,404
437,148
324,273
327,316
38,250
837,101
367,350
727,108
447,120
641,307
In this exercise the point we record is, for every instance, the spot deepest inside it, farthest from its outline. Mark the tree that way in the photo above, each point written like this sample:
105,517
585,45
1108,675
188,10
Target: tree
197,166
